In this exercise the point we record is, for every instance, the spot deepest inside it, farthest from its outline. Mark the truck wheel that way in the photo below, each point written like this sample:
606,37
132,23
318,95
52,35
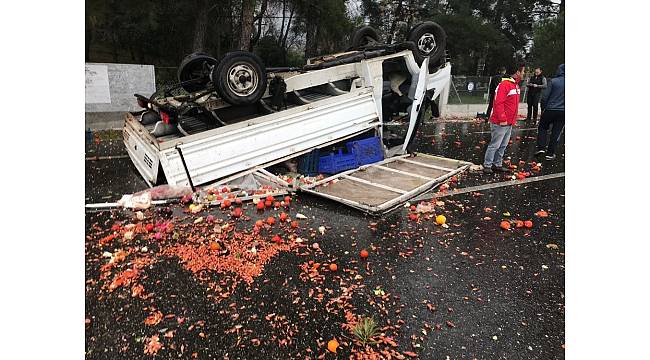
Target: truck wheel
363,36
430,41
195,70
240,78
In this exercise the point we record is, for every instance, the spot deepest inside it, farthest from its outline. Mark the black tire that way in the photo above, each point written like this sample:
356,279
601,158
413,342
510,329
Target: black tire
364,36
240,78
408,34
197,67
430,41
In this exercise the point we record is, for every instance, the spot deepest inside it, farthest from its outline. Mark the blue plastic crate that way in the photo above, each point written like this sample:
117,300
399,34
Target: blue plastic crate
366,151
335,163
308,164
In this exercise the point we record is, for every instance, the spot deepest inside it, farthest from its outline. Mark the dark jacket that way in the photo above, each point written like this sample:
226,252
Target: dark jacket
540,81
553,96
496,80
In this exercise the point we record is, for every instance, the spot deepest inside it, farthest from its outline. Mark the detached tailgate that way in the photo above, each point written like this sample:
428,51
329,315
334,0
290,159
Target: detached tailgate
381,187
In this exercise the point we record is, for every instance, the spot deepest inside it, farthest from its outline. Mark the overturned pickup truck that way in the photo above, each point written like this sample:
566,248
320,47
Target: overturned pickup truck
239,117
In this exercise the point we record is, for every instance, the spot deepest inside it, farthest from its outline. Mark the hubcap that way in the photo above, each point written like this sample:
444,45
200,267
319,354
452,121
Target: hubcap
426,43
242,79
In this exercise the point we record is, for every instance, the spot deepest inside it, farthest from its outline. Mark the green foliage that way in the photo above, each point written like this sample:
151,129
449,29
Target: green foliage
548,48
162,32
365,330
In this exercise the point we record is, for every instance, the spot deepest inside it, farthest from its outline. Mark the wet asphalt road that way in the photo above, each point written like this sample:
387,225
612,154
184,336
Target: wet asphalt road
502,291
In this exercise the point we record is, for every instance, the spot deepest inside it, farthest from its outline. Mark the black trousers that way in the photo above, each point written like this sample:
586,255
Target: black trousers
533,104
554,119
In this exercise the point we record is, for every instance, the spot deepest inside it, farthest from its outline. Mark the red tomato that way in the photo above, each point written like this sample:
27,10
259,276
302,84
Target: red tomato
363,253
294,224
236,212
269,198
333,267
528,224
283,217
270,220
260,205
505,225
277,239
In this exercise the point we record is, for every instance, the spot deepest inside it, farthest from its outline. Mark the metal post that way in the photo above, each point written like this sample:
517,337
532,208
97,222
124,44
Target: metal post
187,172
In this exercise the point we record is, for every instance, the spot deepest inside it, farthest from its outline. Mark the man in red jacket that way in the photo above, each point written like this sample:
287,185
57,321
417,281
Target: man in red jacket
504,116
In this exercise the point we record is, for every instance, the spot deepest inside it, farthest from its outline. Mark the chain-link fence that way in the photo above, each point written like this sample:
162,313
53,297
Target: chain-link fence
466,89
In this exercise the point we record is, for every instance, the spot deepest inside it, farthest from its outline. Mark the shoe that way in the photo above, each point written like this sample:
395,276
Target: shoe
550,157
500,169
487,170
540,152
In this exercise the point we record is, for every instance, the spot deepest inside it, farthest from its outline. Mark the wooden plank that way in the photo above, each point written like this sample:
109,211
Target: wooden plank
427,165
385,187
403,172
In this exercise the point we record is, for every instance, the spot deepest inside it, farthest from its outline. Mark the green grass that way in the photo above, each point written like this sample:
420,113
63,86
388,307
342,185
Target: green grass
365,329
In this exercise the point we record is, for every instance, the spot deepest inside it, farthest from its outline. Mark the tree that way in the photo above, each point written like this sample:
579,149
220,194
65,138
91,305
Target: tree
247,12
548,44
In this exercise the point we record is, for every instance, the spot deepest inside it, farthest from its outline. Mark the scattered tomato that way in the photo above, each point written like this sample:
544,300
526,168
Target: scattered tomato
270,220
283,216
268,203
287,199
214,246
259,223
441,219
294,224
149,227
276,204
260,205
332,345
269,198
363,253
236,212
505,225
519,224
333,267
528,224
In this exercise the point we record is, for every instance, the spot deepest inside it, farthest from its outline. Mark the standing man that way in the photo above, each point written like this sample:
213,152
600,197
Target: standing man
536,84
496,79
504,116
552,115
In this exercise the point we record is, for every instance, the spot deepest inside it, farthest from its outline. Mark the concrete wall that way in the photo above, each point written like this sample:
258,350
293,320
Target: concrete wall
110,87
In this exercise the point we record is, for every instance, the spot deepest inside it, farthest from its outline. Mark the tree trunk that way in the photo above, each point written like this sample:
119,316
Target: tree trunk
396,18
311,36
247,10
200,27
259,19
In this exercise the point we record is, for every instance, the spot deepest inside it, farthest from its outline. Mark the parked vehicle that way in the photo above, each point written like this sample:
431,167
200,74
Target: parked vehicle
239,116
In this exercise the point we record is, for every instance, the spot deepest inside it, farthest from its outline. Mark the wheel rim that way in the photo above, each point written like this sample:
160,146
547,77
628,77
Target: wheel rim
426,43
242,79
